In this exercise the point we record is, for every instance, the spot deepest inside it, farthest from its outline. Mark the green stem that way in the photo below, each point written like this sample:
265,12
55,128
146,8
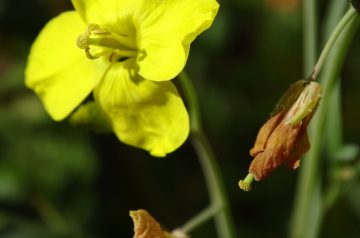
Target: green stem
309,36
307,212
334,13
334,137
200,219
192,100
309,57
210,167
351,13
49,214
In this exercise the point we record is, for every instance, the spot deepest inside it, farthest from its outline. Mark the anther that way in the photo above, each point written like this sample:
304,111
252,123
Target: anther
82,41
100,42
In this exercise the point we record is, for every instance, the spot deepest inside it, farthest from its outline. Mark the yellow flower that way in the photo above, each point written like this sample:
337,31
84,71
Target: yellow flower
125,52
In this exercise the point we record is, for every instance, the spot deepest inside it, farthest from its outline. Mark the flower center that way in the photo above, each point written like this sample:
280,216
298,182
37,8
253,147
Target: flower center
100,42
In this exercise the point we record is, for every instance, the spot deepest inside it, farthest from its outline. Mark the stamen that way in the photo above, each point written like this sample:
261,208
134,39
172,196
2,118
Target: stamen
100,42
82,41
126,41
89,55
96,30
245,184
107,42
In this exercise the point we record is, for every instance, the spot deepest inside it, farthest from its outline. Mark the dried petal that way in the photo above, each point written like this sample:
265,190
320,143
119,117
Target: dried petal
264,134
283,138
302,145
277,150
145,226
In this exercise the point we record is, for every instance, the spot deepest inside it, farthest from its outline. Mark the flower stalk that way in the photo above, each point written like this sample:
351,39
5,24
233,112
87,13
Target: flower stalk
351,13
307,215
210,167
200,218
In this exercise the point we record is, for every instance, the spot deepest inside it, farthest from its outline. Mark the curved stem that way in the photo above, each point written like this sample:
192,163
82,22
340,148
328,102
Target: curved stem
210,167
307,212
200,218
351,13
192,100
50,215
333,15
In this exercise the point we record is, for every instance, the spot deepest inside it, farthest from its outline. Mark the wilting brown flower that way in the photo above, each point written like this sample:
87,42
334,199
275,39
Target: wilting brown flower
145,226
283,138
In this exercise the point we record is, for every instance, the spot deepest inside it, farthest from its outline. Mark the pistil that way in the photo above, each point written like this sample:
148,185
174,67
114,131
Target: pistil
245,184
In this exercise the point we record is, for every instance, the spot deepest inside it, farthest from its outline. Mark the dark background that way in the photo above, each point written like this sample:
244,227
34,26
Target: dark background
60,181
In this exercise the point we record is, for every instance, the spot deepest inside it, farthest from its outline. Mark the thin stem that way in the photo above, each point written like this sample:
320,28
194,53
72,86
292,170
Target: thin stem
351,13
309,36
307,213
49,214
215,185
309,57
334,13
334,118
193,103
200,218
210,167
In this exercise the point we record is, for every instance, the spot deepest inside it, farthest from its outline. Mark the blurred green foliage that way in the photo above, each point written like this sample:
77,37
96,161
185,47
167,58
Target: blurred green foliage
60,181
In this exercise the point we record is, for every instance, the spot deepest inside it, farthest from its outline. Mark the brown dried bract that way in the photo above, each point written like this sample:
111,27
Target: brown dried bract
145,226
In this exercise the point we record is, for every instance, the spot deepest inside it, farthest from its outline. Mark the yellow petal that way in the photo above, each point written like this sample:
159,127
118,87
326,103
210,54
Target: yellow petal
165,30
57,70
113,14
145,114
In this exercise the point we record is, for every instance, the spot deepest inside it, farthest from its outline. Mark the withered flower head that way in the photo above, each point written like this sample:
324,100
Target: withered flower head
145,226
283,138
